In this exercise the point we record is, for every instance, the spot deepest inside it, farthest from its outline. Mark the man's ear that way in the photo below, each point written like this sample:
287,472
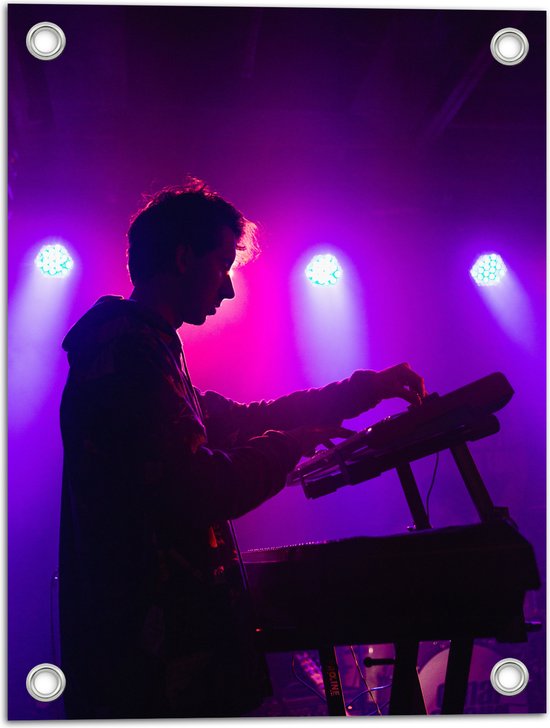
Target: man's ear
183,254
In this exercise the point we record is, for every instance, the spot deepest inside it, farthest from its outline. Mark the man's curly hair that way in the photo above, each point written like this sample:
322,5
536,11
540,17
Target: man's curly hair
191,214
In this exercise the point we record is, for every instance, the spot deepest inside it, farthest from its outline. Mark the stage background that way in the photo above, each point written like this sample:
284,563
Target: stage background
390,137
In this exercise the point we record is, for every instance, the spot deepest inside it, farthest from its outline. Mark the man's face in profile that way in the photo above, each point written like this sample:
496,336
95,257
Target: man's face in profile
206,279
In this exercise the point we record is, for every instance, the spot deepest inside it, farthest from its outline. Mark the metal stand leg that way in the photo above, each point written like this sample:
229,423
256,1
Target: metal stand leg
406,693
412,494
472,479
331,679
456,677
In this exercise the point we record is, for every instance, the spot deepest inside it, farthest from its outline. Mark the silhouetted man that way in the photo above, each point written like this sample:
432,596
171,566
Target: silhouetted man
154,622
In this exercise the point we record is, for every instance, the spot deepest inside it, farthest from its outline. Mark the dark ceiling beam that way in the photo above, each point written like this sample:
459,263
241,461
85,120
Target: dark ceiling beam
251,48
457,97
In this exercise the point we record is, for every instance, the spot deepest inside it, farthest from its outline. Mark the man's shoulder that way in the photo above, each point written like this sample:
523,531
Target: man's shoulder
112,333
108,319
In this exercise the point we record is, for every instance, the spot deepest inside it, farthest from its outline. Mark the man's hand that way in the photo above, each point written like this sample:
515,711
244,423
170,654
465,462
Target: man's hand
400,381
309,437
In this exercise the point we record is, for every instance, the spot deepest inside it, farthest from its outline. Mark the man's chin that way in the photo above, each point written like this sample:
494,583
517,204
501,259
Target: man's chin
195,320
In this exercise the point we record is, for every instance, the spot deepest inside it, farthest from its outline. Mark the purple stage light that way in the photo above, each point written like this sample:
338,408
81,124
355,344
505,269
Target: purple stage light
488,270
54,261
324,270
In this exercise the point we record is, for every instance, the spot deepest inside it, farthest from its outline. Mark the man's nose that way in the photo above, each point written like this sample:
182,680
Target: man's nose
228,291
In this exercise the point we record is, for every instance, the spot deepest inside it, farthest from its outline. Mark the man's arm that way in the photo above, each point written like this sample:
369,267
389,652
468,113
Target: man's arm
230,422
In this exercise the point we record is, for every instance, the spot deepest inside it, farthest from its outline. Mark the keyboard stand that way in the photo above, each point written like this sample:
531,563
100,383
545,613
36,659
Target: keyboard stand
331,679
456,677
406,692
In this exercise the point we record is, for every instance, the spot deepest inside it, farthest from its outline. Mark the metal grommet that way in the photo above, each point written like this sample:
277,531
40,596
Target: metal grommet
509,46
509,676
46,682
46,41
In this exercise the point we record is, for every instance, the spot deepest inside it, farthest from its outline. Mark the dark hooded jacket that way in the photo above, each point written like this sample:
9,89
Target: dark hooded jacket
154,619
